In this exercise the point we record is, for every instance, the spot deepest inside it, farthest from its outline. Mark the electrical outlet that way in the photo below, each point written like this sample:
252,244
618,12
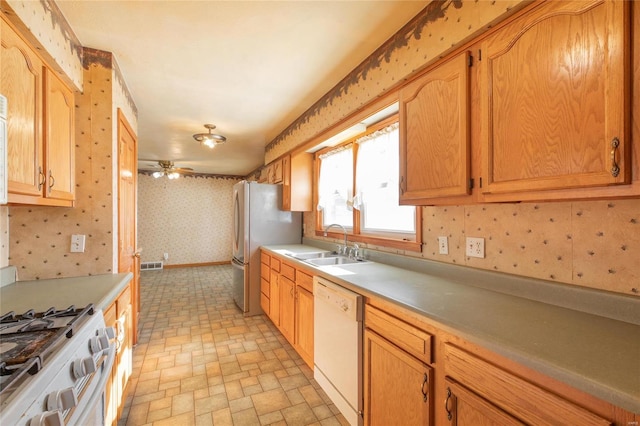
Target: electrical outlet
166,256
77,243
475,247
443,245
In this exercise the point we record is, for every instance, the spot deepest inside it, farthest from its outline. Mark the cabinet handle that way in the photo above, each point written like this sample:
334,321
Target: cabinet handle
425,387
446,404
402,185
43,178
52,181
615,169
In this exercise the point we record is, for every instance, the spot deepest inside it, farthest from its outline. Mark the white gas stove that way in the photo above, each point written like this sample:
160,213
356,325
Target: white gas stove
54,367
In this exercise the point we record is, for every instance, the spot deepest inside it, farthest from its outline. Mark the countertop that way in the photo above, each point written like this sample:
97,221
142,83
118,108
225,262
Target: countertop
593,353
101,290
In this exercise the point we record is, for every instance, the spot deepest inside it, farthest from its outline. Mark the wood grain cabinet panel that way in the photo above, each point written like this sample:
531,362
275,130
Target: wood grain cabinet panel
287,308
59,137
555,99
304,324
435,154
398,387
464,408
21,83
512,394
40,126
297,180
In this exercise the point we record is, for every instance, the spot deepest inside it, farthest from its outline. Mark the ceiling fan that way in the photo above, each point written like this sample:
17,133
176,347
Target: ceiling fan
168,169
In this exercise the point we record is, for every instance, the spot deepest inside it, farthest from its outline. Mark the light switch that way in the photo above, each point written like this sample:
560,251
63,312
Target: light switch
77,243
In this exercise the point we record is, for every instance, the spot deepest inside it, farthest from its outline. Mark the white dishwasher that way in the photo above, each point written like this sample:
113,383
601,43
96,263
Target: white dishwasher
337,353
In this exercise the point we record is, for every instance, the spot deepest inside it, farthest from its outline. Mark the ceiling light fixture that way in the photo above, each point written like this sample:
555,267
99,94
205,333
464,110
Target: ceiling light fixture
209,139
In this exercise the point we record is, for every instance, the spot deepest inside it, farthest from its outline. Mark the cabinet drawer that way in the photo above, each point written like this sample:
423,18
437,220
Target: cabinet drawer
265,258
288,271
514,394
124,300
264,271
405,336
275,264
265,287
304,280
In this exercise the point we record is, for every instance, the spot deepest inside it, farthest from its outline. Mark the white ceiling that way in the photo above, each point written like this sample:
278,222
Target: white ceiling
249,67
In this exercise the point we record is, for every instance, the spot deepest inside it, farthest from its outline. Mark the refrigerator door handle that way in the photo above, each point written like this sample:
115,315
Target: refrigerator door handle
237,264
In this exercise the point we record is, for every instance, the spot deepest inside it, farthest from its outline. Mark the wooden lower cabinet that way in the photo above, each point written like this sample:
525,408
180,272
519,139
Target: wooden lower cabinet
304,325
290,303
119,316
274,297
508,392
463,407
287,308
407,355
397,385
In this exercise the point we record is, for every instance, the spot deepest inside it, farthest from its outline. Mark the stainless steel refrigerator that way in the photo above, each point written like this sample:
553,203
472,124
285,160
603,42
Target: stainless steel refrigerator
257,221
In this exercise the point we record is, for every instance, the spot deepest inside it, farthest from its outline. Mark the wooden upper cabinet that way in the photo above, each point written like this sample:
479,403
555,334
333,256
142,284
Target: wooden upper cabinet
434,134
555,97
297,176
21,83
40,126
59,124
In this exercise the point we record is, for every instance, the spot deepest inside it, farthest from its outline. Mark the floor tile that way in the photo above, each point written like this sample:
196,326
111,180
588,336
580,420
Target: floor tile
199,361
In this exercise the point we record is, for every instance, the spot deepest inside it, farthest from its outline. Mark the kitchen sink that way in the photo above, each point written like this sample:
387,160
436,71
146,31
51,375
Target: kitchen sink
334,260
313,255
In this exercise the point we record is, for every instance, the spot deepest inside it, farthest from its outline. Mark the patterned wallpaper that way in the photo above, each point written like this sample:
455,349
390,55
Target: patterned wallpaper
45,26
190,218
39,237
439,28
587,243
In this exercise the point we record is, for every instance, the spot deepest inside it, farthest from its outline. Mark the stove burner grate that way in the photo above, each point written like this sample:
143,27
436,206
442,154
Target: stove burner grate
30,338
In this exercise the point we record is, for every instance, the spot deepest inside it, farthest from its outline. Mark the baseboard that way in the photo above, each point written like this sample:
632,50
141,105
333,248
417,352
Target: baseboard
192,265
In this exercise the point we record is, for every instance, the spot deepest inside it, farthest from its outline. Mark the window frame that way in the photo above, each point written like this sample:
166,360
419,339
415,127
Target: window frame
355,234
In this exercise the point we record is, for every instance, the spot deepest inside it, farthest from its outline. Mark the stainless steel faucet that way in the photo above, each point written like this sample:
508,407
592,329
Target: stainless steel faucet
343,230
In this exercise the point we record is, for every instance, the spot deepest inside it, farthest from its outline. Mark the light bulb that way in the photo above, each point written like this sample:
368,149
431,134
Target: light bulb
157,174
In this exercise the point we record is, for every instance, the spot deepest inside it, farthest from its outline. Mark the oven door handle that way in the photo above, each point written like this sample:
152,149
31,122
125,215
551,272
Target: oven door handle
99,390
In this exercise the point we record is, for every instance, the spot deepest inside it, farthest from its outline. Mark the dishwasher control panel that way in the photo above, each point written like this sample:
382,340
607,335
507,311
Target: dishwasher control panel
338,297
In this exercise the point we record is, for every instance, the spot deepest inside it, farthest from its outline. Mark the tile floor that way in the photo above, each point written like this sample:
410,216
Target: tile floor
200,362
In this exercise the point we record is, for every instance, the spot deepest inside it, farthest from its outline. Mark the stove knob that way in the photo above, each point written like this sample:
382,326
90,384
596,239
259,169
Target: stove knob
94,345
83,367
104,340
110,332
48,418
62,400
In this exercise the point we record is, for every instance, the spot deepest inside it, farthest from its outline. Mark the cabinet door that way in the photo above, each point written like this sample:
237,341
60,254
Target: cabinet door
274,297
21,83
397,386
304,324
434,134
554,99
287,308
112,398
464,408
124,355
297,178
59,125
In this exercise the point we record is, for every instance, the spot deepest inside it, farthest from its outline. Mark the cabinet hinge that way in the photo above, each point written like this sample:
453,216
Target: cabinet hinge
471,183
470,61
480,182
479,54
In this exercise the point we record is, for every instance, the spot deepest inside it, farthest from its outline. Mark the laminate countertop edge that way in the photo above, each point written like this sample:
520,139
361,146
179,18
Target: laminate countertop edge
592,353
101,290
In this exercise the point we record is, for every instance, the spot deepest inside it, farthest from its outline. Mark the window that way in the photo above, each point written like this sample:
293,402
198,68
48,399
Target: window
358,189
